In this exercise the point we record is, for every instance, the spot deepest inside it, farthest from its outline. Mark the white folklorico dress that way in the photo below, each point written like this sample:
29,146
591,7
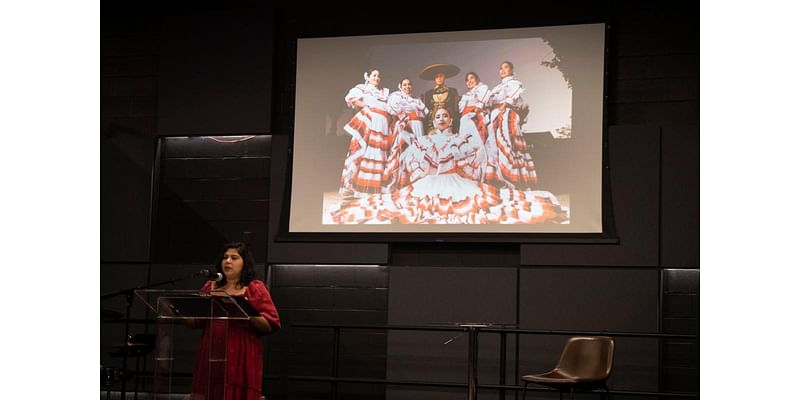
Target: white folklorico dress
408,115
445,188
473,115
509,162
365,163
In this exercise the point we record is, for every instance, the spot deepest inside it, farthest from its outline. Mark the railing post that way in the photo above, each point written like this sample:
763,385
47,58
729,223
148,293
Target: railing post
335,362
502,364
472,374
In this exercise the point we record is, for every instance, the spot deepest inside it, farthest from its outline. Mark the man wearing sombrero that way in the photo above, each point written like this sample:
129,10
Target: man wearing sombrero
440,96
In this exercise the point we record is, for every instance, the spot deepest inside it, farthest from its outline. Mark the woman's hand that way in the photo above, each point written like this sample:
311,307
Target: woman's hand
261,324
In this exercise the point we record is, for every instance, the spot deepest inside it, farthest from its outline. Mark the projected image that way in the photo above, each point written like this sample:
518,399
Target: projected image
443,130
409,163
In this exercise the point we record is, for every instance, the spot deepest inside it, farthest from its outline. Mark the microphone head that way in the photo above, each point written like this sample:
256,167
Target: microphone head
206,273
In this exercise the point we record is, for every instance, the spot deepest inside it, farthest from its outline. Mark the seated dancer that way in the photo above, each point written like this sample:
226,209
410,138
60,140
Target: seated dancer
443,174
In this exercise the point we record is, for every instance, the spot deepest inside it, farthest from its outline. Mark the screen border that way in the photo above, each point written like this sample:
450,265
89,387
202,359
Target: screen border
286,107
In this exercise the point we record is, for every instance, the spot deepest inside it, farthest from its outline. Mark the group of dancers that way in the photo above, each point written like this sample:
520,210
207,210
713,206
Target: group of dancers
407,164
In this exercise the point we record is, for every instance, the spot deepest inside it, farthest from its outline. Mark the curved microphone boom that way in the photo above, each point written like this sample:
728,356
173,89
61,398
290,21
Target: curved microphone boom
205,273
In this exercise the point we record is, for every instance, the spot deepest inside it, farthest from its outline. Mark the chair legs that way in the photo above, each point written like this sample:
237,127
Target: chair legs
605,395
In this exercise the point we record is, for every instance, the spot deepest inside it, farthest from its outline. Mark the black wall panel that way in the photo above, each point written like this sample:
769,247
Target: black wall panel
215,69
634,181
680,363
592,299
444,296
211,191
128,96
328,294
680,191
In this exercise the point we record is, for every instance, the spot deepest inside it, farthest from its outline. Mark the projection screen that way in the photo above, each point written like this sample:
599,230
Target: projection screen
391,137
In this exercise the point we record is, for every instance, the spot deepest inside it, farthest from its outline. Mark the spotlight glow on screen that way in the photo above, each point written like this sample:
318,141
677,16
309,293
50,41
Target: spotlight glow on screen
456,132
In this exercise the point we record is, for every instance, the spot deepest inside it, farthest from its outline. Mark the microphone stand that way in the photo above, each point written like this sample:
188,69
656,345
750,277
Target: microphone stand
128,303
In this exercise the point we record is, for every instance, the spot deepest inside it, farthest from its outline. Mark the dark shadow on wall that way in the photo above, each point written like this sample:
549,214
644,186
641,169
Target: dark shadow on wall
211,190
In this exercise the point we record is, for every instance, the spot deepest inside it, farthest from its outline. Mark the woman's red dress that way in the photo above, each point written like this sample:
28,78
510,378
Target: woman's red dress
245,347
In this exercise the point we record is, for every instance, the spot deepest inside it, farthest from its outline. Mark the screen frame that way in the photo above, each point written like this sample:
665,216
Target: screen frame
607,236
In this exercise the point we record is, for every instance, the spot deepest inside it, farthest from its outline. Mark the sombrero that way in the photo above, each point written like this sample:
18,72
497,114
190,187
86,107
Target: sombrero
429,72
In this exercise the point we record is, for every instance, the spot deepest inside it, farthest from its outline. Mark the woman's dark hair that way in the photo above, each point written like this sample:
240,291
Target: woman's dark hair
400,84
248,267
510,64
477,78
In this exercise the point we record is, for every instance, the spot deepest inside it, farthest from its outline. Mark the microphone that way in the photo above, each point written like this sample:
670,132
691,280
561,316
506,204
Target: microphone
216,276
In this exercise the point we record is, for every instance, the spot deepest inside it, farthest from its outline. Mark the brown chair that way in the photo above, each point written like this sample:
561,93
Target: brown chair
585,364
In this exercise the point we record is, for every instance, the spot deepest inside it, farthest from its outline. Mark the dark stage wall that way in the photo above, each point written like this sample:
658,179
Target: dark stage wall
169,71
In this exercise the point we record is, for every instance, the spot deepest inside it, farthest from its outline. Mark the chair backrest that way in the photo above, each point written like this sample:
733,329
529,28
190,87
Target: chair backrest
587,357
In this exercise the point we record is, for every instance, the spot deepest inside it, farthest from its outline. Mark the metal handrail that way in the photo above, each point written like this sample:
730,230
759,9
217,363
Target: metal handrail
497,329
488,328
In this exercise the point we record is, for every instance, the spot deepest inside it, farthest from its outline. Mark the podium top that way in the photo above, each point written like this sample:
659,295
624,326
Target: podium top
183,304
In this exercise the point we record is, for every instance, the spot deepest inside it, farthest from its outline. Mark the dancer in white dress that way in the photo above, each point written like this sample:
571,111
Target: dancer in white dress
510,164
408,116
365,164
444,189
